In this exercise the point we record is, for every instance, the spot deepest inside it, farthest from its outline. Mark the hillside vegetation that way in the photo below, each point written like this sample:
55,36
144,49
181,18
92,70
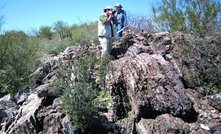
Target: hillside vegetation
199,45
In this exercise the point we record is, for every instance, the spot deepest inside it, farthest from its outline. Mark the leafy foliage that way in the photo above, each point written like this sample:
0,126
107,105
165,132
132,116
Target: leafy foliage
69,35
84,33
17,57
202,15
62,29
105,59
79,92
79,105
199,17
82,98
170,15
45,32
55,48
208,68
201,61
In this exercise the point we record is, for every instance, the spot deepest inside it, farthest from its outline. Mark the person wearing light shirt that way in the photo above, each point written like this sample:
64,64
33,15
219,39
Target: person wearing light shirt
105,29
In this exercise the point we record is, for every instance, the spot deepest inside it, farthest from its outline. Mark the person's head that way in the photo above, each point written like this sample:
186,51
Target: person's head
108,9
118,6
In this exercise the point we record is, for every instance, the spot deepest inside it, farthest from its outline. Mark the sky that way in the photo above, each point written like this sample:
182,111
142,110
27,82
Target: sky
32,14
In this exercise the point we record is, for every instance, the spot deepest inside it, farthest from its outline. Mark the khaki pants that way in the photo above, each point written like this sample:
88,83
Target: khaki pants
106,44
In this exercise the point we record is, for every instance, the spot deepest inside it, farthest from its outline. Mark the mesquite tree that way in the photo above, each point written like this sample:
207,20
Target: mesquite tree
200,17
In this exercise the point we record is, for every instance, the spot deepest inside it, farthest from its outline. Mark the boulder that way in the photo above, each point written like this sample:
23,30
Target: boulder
215,101
147,85
163,124
8,110
37,114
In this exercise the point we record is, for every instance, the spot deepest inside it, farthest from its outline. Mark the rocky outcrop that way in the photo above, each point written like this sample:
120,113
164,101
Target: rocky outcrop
153,83
215,101
35,115
165,123
150,88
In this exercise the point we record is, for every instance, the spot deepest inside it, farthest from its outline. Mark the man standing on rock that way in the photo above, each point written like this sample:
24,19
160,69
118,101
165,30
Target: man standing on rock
105,29
121,20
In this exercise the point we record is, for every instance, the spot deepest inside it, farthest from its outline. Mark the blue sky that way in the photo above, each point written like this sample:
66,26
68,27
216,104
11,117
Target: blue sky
27,14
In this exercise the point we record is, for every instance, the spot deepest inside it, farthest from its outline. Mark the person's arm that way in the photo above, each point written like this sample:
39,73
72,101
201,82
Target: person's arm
108,21
125,18
114,12
104,19
115,20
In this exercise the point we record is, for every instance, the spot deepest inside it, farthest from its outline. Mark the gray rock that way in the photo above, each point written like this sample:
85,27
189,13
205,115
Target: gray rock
149,86
33,117
215,101
162,124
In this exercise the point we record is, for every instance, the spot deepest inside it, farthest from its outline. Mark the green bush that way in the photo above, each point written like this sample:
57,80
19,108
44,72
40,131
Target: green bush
208,67
101,72
79,92
79,105
81,96
201,61
62,29
18,53
200,17
66,36
84,33
45,32
55,48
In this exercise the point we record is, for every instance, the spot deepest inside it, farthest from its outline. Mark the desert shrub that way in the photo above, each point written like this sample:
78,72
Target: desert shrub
200,60
45,32
18,53
208,67
62,29
79,92
79,105
82,97
101,72
84,33
200,17
55,48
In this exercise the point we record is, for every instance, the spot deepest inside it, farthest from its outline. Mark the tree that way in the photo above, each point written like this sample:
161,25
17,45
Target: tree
17,57
63,29
202,15
139,22
2,20
196,16
45,32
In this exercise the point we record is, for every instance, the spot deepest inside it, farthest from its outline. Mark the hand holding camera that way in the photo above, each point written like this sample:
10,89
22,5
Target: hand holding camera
114,11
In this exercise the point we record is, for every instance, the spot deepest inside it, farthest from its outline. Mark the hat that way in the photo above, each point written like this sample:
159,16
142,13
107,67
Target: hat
108,7
118,5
